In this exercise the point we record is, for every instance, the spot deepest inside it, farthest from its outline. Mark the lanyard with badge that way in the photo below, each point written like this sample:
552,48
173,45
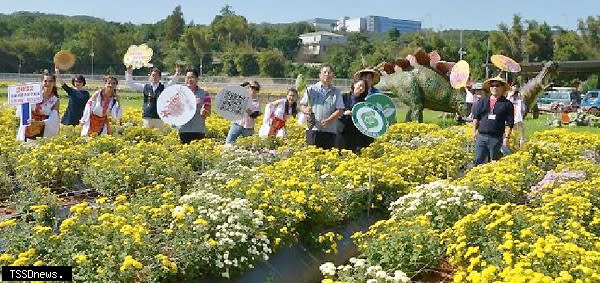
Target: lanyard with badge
492,116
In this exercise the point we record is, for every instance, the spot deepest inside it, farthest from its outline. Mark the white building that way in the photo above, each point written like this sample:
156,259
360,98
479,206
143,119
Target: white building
376,24
351,24
356,24
322,24
316,43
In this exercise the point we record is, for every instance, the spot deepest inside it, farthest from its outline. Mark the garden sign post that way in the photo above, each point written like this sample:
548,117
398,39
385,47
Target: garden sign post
23,96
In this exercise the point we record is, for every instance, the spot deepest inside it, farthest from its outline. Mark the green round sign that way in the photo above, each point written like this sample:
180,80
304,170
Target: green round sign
384,104
369,120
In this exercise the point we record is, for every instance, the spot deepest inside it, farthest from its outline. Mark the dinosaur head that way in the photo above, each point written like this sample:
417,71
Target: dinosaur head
389,82
549,72
459,100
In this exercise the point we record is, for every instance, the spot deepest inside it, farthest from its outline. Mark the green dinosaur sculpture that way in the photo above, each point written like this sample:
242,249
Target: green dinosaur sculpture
420,81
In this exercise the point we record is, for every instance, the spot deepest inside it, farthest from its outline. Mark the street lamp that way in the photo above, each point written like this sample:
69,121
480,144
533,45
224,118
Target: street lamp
92,54
201,62
20,63
460,51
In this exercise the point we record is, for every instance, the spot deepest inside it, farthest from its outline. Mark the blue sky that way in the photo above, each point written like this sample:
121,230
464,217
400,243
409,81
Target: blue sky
482,15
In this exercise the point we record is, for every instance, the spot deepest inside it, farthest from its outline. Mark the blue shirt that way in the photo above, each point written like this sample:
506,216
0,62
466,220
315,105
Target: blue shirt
324,102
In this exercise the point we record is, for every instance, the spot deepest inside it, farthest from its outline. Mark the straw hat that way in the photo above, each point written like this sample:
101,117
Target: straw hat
64,60
375,73
486,84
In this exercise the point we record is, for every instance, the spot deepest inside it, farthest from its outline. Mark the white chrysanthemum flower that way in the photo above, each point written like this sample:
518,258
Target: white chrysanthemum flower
381,274
327,269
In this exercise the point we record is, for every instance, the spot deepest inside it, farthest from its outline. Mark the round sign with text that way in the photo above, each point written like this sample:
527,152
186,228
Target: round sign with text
232,102
385,105
369,120
138,56
176,105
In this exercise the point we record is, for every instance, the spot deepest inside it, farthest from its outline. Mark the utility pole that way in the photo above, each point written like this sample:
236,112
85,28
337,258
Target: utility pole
20,63
487,59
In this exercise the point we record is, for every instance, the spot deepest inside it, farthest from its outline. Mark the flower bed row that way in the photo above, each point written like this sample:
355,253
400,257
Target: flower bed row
505,221
173,212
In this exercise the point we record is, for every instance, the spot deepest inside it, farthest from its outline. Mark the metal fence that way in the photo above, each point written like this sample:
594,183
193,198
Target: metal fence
267,84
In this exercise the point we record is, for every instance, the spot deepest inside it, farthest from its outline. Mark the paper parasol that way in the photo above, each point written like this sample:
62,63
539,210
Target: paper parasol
138,56
64,60
505,63
459,75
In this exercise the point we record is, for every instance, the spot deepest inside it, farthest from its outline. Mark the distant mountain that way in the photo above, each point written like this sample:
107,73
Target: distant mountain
38,15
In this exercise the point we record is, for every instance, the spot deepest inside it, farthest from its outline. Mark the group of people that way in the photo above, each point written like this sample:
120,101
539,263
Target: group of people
42,119
92,111
329,112
326,111
495,116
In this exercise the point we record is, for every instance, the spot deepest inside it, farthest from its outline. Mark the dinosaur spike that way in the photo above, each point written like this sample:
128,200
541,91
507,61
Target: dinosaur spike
434,58
386,67
403,63
413,61
444,67
422,57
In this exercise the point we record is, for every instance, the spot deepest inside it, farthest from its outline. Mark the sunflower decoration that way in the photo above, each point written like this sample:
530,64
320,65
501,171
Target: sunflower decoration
138,56
64,60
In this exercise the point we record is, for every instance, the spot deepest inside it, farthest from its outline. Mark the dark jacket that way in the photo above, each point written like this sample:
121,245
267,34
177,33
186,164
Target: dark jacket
353,139
77,101
504,111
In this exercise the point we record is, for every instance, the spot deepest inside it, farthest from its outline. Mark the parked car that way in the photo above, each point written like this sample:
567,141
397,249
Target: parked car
557,100
591,102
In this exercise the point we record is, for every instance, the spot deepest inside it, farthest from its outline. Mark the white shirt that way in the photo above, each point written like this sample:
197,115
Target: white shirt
140,87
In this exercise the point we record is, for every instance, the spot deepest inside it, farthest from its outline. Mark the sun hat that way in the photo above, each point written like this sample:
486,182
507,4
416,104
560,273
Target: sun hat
487,83
375,73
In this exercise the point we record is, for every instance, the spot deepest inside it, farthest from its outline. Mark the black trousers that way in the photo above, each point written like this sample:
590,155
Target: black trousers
320,139
187,137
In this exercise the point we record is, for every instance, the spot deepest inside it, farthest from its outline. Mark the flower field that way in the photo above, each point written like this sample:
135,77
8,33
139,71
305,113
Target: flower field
148,209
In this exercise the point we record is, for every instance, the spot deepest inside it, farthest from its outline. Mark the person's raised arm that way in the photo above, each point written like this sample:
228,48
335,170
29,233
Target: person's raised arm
175,78
129,80
64,86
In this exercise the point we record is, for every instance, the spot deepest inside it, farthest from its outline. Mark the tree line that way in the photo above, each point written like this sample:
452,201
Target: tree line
232,46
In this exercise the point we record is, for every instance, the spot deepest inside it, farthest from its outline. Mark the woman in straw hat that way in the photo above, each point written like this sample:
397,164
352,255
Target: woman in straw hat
492,114
371,76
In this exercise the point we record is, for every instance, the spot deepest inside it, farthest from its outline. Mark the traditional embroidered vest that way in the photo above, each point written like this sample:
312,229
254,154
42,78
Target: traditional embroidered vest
150,98
36,130
97,122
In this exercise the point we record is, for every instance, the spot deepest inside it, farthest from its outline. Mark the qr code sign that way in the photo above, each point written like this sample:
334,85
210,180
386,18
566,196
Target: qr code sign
232,102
